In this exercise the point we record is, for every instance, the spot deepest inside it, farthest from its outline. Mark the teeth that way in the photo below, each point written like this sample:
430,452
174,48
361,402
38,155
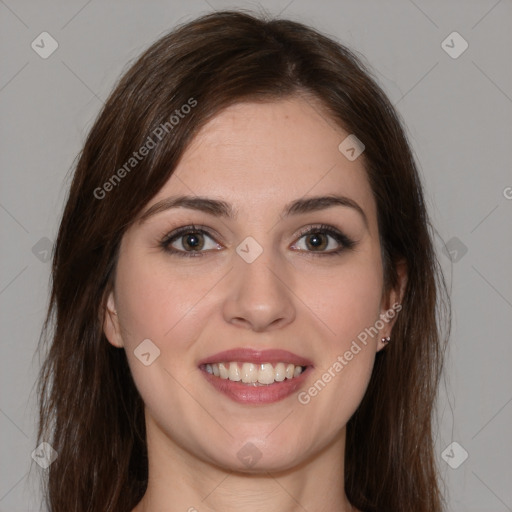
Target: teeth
266,374
223,371
234,372
249,373
255,374
280,372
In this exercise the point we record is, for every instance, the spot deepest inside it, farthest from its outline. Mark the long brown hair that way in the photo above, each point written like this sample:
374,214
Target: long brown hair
90,410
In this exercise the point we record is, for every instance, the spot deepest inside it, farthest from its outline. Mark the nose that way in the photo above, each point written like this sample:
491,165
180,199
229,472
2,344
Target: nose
260,297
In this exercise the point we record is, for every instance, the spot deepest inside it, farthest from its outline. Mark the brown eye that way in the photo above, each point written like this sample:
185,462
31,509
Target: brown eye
189,241
324,240
193,241
317,241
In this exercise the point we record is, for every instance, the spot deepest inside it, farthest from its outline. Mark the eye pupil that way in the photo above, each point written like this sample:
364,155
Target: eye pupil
193,240
315,240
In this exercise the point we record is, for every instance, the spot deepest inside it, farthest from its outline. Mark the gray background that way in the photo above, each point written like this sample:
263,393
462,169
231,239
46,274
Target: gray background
458,114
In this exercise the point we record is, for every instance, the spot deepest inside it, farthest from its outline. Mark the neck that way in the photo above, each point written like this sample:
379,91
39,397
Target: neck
180,481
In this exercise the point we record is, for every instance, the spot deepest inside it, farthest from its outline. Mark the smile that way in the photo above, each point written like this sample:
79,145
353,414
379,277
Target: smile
254,374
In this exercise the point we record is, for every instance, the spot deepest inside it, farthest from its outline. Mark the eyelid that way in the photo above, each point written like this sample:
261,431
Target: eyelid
190,228
343,240
340,237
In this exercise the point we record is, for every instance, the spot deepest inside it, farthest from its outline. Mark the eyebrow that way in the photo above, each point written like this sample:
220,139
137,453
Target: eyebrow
220,208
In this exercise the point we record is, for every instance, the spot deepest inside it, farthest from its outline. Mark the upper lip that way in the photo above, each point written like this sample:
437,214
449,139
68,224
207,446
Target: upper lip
250,355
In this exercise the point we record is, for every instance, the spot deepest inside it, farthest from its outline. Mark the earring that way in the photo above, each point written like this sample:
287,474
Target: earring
386,340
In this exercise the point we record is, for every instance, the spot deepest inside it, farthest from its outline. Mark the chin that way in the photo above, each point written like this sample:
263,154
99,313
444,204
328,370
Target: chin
259,456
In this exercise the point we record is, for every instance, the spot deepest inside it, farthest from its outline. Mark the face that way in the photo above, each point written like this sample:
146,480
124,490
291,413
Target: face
260,267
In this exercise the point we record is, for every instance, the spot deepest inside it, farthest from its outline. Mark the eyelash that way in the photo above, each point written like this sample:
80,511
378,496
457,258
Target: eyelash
338,236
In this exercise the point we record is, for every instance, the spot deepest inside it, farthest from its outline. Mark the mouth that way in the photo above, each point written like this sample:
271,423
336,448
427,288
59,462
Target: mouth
251,374
256,376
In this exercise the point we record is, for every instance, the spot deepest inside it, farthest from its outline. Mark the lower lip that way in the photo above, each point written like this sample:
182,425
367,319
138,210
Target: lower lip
247,394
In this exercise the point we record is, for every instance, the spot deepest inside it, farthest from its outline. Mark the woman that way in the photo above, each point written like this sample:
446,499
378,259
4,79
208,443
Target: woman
244,312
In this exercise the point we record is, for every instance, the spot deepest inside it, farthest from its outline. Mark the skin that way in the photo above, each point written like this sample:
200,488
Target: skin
258,157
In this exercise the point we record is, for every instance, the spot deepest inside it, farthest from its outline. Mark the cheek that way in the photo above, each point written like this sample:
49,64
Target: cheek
171,307
348,301
334,396
348,307
156,303
153,301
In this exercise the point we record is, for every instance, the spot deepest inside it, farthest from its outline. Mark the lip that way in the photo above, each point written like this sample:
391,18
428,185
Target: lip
247,394
249,355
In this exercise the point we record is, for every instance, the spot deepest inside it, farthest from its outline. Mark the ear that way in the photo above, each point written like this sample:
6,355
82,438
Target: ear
391,303
111,322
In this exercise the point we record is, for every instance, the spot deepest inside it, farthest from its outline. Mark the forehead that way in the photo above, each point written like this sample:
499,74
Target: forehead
257,154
